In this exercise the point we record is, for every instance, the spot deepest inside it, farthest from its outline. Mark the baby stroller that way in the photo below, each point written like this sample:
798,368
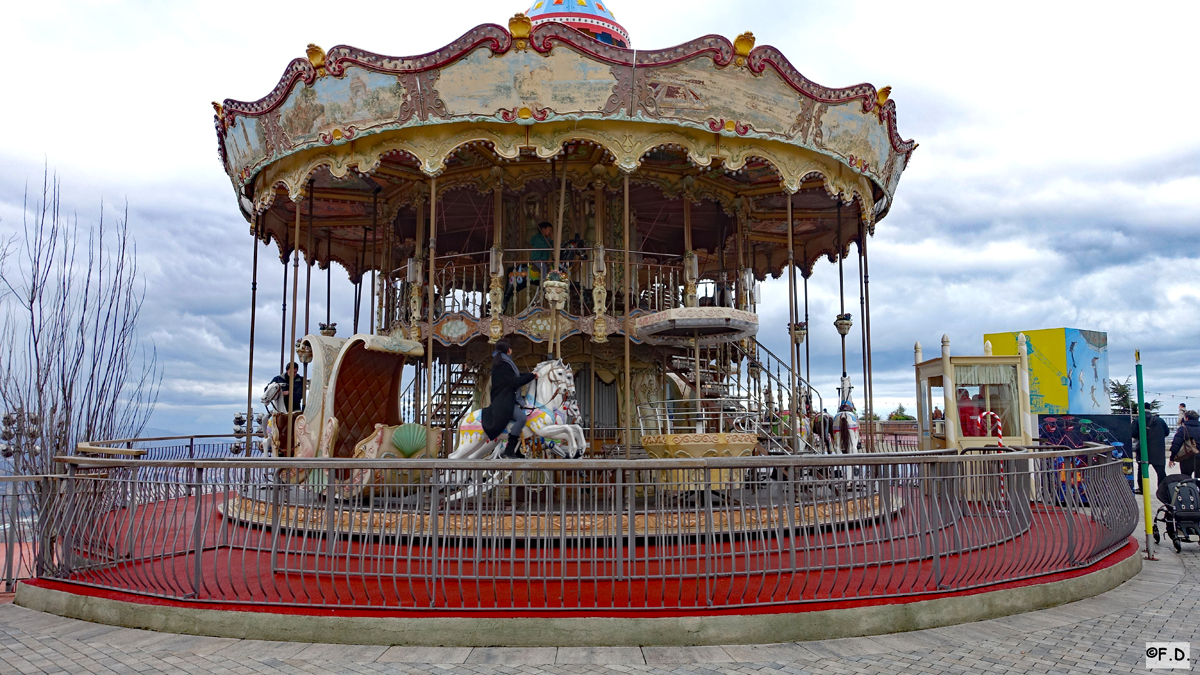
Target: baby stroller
1180,496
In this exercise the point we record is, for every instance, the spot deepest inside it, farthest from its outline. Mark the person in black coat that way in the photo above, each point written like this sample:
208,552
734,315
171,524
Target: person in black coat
1190,427
1156,444
505,410
294,388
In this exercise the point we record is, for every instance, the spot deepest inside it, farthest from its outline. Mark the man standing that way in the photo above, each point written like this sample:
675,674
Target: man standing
1182,409
1156,444
1190,427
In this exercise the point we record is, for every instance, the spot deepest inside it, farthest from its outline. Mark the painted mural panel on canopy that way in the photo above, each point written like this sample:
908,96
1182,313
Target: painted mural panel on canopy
360,99
245,144
846,130
696,90
564,81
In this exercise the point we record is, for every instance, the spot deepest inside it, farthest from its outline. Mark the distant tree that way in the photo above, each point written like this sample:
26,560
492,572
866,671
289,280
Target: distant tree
71,361
900,414
1122,395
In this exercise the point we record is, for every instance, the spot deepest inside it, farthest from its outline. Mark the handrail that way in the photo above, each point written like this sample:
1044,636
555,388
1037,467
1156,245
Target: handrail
757,461
168,438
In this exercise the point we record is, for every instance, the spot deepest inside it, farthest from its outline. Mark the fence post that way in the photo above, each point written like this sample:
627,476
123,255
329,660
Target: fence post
14,496
330,533
197,529
275,507
620,544
69,522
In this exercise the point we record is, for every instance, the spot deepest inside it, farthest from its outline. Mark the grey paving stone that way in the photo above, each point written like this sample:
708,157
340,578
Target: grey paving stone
513,656
599,655
340,653
699,654
425,655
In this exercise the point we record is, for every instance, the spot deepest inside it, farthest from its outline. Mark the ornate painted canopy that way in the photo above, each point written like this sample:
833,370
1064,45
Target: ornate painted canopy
733,128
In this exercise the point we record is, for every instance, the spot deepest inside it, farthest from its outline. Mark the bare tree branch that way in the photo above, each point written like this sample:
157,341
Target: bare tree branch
70,352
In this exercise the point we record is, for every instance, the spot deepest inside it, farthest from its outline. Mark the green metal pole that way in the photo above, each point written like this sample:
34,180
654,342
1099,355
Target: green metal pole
1142,461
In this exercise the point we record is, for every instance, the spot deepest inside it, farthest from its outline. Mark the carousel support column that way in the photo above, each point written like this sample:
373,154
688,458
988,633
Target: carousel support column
374,254
362,268
841,282
555,289
795,409
429,339
599,271
496,271
328,277
253,314
807,352
308,260
870,383
283,314
295,297
691,264
862,329
628,325
742,302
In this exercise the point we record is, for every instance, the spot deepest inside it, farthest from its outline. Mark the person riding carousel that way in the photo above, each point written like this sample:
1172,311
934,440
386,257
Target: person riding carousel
289,383
505,410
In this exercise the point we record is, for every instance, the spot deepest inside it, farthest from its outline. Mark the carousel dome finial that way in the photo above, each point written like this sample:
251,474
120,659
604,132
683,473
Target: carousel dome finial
592,17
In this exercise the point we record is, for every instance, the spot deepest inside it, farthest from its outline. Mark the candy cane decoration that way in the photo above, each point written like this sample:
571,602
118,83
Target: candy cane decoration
983,417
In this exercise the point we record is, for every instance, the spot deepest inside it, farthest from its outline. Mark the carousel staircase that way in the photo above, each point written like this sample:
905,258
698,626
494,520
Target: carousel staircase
455,395
767,393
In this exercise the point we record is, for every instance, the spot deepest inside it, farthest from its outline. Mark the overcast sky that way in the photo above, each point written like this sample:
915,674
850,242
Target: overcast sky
1056,182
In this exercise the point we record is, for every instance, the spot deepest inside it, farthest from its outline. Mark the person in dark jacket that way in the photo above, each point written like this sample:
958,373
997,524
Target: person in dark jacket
1190,427
505,410
295,388
1156,444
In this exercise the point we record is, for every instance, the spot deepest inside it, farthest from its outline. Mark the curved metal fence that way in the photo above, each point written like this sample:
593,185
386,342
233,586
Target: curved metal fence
601,536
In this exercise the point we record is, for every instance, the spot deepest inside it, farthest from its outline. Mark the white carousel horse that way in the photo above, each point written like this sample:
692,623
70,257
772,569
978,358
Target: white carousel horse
548,401
845,422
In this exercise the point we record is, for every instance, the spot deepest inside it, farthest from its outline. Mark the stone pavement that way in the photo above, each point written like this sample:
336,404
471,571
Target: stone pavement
1105,634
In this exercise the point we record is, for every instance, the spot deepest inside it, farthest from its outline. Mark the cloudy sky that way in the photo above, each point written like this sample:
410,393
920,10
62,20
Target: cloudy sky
1057,182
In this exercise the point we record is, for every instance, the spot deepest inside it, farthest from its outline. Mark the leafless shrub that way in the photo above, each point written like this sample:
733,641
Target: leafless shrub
70,354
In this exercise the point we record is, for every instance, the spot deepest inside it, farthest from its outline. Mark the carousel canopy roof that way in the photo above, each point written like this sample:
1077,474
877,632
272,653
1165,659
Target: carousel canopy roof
592,17
347,141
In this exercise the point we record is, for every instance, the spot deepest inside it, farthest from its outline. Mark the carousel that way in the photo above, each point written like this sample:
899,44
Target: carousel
610,212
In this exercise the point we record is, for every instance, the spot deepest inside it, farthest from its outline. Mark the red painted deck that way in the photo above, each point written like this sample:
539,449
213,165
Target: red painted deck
840,568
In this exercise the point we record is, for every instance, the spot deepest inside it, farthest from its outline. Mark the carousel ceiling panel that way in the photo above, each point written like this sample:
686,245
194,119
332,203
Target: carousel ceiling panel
524,78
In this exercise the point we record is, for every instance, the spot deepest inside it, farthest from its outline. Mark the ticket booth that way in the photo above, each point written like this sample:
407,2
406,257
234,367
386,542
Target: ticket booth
966,402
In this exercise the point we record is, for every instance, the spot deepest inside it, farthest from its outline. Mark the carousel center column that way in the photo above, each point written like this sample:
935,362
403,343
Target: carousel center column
496,261
433,202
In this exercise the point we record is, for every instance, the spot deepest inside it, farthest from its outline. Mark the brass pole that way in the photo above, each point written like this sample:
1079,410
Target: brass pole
867,320
429,339
253,313
292,345
308,256
841,281
374,251
283,316
795,409
328,276
555,347
628,330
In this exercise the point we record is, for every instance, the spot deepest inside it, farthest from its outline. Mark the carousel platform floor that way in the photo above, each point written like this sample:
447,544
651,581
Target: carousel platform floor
366,577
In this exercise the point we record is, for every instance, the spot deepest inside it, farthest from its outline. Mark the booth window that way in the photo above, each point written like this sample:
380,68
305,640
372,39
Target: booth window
981,389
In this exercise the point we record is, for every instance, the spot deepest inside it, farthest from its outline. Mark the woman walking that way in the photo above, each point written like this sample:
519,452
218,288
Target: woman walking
505,410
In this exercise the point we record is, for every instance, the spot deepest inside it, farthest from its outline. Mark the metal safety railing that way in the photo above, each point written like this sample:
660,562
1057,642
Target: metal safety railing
18,528
595,535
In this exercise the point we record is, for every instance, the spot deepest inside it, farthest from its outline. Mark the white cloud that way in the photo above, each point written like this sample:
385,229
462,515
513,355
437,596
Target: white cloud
1054,185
